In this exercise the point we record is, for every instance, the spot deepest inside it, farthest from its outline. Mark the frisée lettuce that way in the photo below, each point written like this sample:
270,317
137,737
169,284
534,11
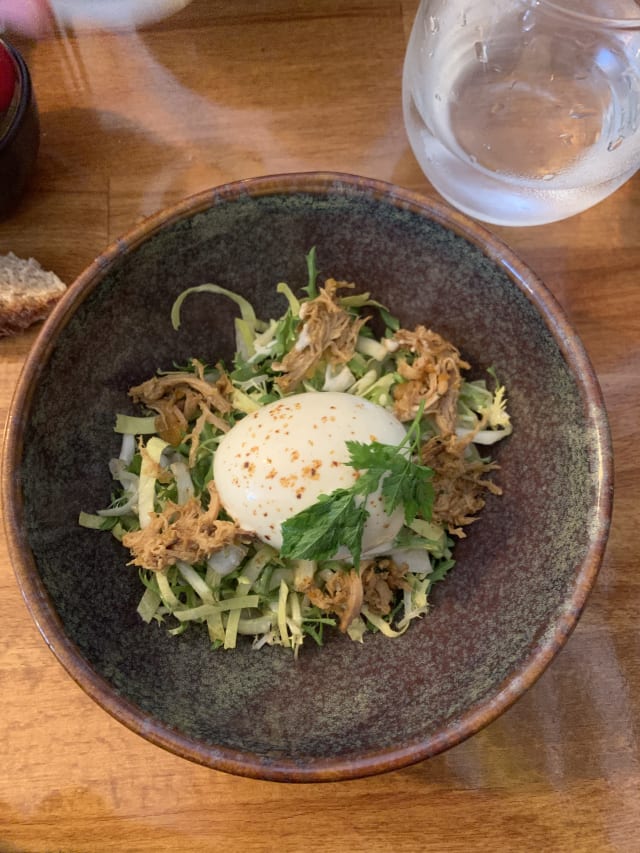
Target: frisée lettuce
200,565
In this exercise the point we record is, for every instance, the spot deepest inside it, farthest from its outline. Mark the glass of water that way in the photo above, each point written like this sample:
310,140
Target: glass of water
522,112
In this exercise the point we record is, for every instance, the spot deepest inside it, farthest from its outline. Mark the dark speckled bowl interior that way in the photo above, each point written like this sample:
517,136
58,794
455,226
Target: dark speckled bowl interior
344,710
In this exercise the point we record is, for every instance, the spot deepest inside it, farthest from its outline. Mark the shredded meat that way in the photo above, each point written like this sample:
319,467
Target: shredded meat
458,482
327,332
342,595
181,397
181,532
432,375
380,580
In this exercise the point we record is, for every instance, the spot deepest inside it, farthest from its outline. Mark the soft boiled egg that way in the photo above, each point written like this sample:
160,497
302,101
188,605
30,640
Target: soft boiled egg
277,460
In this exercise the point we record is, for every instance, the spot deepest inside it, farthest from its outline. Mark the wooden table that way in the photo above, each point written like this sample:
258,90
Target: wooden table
132,122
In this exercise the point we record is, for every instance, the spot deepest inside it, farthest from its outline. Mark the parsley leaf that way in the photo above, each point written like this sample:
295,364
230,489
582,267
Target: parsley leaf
402,482
317,532
338,519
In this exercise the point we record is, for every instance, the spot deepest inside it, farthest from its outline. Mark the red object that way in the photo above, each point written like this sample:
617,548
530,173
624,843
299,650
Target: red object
7,78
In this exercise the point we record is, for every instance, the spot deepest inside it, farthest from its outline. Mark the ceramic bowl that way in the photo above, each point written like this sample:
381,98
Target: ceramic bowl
19,127
344,710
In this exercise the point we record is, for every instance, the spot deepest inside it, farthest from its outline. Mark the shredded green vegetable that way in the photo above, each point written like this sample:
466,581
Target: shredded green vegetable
248,588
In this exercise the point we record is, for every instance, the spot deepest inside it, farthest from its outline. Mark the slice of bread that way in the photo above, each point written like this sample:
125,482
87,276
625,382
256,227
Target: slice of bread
27,293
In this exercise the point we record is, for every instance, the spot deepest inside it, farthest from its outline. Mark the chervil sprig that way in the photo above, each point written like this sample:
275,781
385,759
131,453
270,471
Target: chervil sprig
338,519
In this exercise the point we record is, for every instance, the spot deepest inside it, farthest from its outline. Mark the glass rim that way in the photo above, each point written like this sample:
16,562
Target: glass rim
563,8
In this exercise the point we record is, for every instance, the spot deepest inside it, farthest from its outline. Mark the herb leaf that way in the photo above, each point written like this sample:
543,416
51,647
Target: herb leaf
317,532
338,519
312,271
410,488
401,481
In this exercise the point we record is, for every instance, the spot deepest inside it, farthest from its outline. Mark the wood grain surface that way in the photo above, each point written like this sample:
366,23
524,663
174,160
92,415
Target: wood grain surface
220,91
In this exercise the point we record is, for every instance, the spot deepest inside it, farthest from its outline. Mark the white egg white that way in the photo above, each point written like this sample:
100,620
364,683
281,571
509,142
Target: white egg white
277,460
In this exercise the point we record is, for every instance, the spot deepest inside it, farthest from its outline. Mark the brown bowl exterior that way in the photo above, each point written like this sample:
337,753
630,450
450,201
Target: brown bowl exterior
345,710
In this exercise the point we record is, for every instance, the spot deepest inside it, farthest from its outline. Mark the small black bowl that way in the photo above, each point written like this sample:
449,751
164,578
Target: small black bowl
19,128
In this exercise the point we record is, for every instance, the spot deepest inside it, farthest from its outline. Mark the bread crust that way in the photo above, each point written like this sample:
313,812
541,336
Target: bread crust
24,311
28,293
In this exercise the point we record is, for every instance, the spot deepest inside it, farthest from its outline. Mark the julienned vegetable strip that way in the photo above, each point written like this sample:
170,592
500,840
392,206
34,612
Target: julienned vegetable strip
165,502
